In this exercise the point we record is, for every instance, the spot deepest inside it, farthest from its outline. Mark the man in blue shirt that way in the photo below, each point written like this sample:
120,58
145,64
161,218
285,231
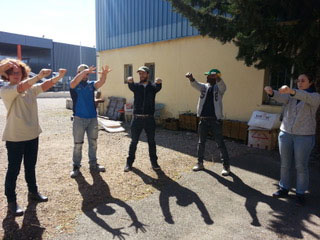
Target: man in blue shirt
85,116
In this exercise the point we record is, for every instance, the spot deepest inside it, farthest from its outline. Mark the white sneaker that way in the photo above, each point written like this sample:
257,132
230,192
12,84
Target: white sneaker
225,171
198,167
97,168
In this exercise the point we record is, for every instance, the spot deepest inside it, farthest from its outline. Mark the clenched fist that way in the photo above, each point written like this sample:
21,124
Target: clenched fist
130,79
268,90
158,80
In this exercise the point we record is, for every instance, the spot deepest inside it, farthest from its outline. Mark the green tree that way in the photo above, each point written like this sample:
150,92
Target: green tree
272,34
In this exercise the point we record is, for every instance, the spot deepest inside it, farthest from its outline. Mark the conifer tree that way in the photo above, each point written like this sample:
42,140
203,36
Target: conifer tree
274,34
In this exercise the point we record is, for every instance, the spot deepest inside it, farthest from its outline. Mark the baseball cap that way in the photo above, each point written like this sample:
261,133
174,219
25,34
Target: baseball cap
143,69
213,72
82,67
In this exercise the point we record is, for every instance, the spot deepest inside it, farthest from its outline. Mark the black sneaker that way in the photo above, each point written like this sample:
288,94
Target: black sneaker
75,172
38,197
14,209
127,168
281,193
301,200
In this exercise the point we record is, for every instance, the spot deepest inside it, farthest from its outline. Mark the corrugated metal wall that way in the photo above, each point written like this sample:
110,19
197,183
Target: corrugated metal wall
122,23
12,38
68,56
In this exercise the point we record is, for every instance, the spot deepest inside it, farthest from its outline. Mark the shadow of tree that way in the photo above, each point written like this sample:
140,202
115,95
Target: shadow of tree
96,198
170,188
30,229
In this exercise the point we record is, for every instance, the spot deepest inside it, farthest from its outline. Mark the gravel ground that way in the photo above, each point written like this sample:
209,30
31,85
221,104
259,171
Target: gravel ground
176,151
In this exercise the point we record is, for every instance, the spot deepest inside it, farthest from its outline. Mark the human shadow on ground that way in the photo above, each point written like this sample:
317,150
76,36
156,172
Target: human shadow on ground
170,188
30,229
289,218
96,198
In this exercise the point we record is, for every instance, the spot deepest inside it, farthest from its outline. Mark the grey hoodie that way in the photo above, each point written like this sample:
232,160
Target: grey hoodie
299,118
218,91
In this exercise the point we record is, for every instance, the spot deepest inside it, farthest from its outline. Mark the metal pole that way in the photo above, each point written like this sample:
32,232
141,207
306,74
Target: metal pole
80,54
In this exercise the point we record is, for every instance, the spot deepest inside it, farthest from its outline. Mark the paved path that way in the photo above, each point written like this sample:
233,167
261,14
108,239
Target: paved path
205,205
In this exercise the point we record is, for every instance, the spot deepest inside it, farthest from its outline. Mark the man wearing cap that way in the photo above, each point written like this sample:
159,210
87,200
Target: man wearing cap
209,110
143,115
85,116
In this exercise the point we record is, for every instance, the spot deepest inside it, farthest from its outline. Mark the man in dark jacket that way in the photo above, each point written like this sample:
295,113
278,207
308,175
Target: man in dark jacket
143,115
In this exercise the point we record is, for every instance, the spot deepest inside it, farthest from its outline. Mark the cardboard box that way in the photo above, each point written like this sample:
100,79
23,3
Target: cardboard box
263,139
264,120
243,132
235,126
226,128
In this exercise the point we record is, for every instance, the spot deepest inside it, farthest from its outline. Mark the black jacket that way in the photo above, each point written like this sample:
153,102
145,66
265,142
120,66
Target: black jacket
144,97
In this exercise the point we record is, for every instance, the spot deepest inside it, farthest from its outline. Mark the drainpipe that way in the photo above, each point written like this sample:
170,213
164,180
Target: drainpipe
19,54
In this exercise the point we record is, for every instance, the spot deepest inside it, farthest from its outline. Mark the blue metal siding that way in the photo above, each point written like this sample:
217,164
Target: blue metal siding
68,56
123,23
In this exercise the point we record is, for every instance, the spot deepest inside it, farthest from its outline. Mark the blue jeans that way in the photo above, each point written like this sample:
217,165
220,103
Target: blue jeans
206,125
80,127
297,149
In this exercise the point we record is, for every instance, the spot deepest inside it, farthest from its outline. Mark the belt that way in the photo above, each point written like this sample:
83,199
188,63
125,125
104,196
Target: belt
209,118
142,115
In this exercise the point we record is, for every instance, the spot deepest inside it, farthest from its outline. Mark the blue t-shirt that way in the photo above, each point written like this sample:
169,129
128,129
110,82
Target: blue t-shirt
83,100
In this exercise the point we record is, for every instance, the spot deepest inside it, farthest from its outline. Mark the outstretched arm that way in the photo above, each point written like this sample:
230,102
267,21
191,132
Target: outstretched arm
81,75
158,84
49,83
131,84
26,84
103,77
194,83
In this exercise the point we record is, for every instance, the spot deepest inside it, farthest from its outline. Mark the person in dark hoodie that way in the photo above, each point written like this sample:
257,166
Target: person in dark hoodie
143,115
297,133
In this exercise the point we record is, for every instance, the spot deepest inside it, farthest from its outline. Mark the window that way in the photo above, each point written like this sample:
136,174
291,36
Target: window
276,79
127,72
151,66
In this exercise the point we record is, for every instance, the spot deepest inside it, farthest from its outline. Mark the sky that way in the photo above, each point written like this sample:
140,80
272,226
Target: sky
66,21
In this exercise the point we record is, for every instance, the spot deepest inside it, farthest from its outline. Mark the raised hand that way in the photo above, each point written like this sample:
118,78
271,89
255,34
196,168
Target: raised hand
268,90
89,70
6,66
158,80
105,70
44,73
286,90
130,79
189,75
62,72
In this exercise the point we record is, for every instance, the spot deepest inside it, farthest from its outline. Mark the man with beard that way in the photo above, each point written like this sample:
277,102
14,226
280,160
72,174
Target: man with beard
143,115
209,110
85,116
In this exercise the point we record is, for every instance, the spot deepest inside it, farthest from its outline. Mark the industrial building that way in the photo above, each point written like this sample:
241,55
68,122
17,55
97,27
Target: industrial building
41,53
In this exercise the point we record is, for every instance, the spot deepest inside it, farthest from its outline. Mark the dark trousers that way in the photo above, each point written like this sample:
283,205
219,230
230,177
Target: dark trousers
149,126
206,125
28,150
